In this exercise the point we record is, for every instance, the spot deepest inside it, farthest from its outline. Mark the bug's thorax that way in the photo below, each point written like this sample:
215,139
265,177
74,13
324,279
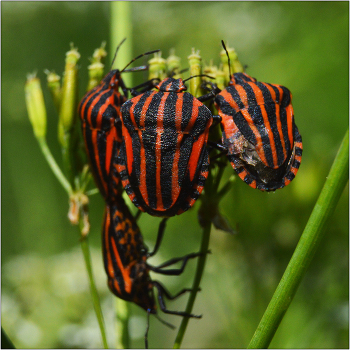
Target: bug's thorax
171,85
112,79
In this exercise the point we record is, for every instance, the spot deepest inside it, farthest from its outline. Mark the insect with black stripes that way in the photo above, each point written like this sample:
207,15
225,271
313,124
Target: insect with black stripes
125,261
99,112
163,160
124,252
263,143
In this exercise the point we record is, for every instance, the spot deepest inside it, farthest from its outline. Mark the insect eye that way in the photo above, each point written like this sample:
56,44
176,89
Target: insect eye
115,83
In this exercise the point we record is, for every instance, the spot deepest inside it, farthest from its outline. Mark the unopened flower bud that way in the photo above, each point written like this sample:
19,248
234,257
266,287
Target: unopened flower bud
96,71
54,85
195,62
157,67
236,66
69,94
36,106
174,65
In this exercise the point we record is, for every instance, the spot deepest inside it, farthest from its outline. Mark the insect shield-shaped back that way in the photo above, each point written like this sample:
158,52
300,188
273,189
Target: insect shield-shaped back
100,115
125,257
163,158
99,111
258,129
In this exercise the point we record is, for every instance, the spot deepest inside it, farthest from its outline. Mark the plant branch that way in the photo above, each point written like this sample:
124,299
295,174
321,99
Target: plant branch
53,165
207,211
196,283
93,289
306,248
122,323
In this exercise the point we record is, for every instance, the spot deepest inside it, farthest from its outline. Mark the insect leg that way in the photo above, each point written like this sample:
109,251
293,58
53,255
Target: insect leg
159,237
214,145
213,92
147,328
175,272
162,292
148,85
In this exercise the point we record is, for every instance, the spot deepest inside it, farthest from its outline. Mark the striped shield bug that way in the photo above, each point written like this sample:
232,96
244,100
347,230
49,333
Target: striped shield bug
99,112
258,129
163,159
125,261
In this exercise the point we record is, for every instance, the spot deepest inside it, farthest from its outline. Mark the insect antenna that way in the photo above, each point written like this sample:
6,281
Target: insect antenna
116,51
135,69
139,56
228,58
173,72
199,75
165,322
147,328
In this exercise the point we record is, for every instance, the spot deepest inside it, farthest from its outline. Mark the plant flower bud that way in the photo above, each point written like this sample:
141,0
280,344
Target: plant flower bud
36,106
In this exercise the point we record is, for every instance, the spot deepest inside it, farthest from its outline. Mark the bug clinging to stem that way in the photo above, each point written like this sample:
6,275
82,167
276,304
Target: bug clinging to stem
163,159
99,112
263,143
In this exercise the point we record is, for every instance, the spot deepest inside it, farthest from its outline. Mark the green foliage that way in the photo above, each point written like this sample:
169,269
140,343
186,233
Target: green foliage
303,46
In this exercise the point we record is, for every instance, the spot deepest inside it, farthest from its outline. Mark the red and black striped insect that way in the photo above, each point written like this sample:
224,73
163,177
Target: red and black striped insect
125,261
163,158
99,112
258,129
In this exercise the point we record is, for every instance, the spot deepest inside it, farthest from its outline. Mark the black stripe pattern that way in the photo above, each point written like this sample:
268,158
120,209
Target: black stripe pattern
99,111
163,133
125,257
259,132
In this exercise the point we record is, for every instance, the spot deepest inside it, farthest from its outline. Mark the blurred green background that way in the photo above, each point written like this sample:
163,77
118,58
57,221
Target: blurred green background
45,297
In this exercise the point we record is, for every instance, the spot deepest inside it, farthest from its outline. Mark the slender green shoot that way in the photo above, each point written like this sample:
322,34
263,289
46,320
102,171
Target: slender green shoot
54,166
92,192
95,298
305,250
196,282
207,212
78,212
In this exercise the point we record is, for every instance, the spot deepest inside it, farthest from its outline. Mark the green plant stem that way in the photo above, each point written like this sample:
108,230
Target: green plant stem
53,165
93,289
196,283
92,192
122,323
206,214
305,250
6,342
121,27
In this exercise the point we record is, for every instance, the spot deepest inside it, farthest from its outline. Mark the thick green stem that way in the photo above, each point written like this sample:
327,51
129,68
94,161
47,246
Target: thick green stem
93,290
121,27
122,324
305,250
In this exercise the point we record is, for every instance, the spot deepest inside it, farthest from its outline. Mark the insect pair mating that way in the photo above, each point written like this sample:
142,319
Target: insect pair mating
125,255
